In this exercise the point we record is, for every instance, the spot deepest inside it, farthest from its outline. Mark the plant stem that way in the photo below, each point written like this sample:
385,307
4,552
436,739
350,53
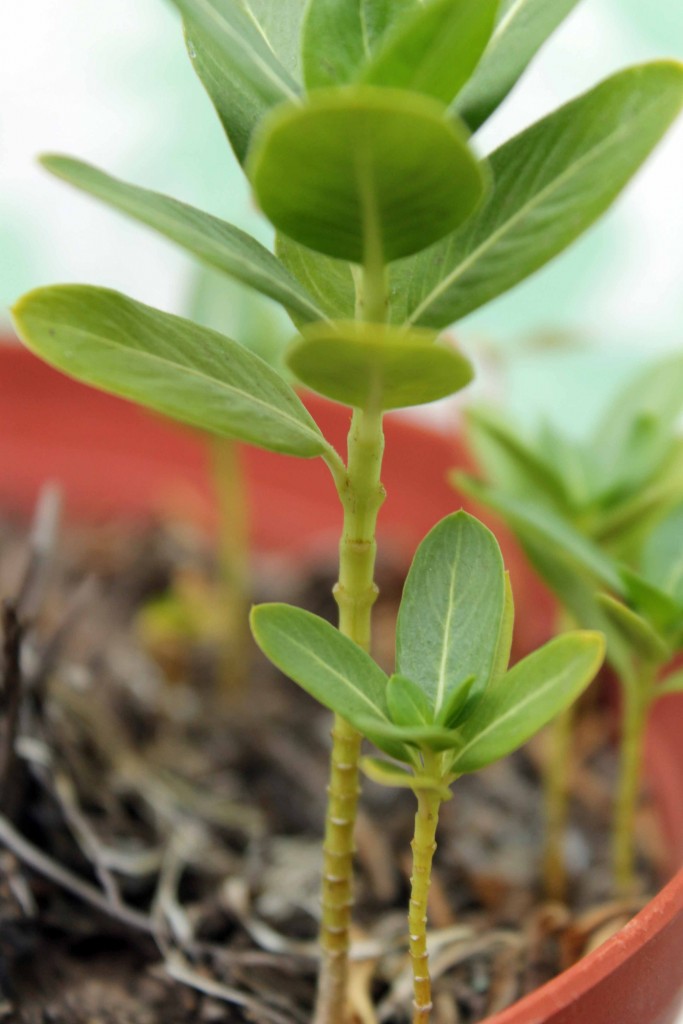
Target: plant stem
637,700
361,494
233,555
556,800
423,846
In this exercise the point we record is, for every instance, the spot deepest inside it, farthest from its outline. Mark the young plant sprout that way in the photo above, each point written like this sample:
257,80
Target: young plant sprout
453,705
352,123
581,509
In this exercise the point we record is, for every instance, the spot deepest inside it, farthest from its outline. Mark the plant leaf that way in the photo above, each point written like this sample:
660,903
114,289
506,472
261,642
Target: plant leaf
281,22
340,35
672,684
388,736
662,559
386,774
328,281
212,240
324,662
434,49
365,187
637,632
452,711
547,531
364,364
633,435
507,625
550,184
651,602
236,65
530,473
522,28
452,608
171,365
519,703
407,702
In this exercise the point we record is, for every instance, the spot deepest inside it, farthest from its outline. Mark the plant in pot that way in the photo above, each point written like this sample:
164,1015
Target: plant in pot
353,127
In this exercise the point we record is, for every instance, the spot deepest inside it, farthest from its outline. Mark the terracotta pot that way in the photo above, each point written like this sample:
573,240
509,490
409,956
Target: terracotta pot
114,460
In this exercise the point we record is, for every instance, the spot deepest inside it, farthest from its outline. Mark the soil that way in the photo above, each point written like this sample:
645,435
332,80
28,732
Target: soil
160,823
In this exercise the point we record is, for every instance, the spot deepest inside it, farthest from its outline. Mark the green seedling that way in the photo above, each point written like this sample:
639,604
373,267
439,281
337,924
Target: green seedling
352,123
582,509
453,706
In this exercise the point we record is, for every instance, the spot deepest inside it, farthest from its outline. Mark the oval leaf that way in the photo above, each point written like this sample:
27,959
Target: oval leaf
171,365
370,364
518,704
219,244
550,184
452,610
363,168
324,662
522,28
435,49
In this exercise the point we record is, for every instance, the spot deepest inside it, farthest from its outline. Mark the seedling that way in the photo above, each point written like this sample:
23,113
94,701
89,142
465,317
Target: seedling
582,509
352,123
452,706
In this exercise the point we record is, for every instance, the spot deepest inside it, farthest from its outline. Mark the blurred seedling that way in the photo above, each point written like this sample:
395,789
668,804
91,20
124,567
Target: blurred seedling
581,508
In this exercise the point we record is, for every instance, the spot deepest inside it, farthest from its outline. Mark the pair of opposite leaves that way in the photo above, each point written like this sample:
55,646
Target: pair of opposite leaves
453,693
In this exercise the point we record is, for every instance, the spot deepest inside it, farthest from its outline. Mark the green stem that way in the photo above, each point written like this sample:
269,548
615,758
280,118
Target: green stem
233,556
637,699
556,800
423,846
361,494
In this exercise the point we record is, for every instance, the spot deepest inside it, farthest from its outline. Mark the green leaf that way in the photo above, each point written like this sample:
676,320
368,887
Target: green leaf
636,631
673,684
547,531
169,364
212,240
452,609
329,282
523,26
364,364
236,65
435,49
386,774
525,468
633,436
651,602
337,175
407,702
340,35
281,21
518,704
324,662
452,711
388,736
507,625
662,560
550,184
